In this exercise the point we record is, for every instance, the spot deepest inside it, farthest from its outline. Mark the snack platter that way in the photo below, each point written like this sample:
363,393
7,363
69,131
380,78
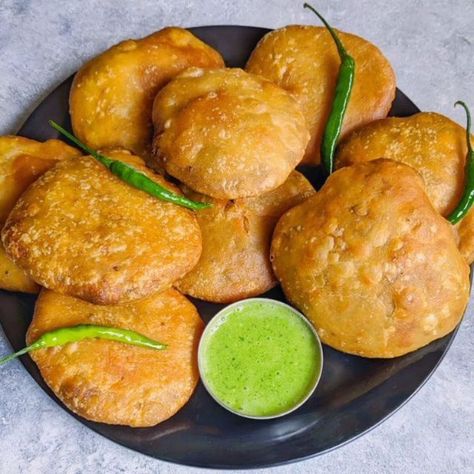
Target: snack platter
354,393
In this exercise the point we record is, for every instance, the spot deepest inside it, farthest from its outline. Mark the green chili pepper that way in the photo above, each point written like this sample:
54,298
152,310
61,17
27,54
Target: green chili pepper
342,94
62,336
468,197
132,176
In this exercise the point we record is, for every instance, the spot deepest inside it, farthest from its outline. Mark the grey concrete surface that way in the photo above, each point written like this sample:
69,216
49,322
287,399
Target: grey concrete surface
431,45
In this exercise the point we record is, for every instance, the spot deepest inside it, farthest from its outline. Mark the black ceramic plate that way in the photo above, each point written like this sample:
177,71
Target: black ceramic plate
354,394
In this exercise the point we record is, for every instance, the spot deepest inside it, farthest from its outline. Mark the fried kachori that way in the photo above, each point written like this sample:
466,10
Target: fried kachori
236,235
429,142
227,133
116,383
304,61
21,162
81,231
371,263
112,95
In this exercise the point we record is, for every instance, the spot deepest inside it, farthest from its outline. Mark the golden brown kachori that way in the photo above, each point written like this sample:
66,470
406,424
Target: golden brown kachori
371,263
236,235
21,162
112,95
227,133
304,61
81,231
116,383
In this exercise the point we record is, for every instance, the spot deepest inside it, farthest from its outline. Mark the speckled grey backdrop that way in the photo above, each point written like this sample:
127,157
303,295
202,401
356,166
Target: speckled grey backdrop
430,44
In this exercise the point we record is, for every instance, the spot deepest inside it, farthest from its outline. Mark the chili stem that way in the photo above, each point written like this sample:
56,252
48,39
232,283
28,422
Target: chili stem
8,358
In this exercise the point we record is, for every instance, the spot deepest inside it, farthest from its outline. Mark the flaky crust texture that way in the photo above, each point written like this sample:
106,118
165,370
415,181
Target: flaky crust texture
465,231
429,142
304,61
21,162
227,133
235,261
81,231
371,263
432,144
112,95
14,278
116,383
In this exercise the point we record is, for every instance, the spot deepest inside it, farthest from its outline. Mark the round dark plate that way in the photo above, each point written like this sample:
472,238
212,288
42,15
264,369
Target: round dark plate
354,394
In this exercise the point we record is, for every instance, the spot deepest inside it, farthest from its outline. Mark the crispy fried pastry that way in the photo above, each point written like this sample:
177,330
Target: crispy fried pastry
21,162
371,263
235,261
304,61
116,383
227,133
81,231
112,95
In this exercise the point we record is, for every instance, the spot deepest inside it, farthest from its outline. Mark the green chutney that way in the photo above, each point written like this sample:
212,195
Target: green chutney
260,358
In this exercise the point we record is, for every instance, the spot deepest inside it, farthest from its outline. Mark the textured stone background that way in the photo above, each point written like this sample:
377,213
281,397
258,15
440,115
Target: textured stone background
430,44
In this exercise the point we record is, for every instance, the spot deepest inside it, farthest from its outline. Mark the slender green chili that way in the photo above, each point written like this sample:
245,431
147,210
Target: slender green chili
342,94
132,176
62,336
468,196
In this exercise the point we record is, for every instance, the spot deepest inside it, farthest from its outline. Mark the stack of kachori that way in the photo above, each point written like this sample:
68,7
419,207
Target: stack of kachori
370,258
